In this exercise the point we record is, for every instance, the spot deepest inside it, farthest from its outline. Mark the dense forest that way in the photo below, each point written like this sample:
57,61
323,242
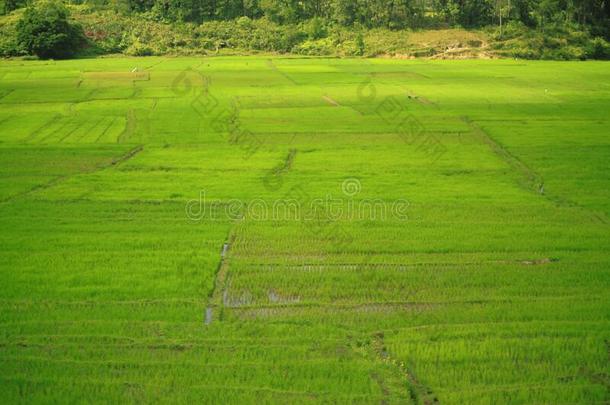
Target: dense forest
395,14
563,29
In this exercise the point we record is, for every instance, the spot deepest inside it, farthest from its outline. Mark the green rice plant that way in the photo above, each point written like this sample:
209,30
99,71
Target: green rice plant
148,254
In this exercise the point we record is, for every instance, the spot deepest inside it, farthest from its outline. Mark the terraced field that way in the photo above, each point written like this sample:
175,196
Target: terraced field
239,230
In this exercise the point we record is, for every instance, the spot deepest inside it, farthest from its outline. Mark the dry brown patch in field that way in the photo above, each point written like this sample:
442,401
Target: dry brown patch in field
331,101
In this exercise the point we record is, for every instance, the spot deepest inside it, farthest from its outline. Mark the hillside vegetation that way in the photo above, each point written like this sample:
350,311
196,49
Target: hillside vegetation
142,31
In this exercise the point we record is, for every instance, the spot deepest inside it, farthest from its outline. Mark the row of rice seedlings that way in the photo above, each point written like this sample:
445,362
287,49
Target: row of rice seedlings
507,359
44,391
344,377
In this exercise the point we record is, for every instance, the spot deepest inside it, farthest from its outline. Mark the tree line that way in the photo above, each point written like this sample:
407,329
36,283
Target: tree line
392,14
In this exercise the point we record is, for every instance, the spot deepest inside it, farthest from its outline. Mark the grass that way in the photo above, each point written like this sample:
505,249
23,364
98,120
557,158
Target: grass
492,289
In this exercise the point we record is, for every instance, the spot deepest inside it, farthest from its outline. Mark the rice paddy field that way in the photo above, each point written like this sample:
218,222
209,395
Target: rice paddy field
291,230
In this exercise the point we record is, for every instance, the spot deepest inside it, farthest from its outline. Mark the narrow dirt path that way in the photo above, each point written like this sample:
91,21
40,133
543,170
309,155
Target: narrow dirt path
531,180
214,309
59,179
331,101
130,126
419,393
273,67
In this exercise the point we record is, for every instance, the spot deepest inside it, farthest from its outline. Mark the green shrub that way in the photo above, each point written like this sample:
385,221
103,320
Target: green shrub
139,49
598,48
386,42
512,29
554,42
45,31
9,46
246,34
315,28
146,33
564,53
321,47
360,45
